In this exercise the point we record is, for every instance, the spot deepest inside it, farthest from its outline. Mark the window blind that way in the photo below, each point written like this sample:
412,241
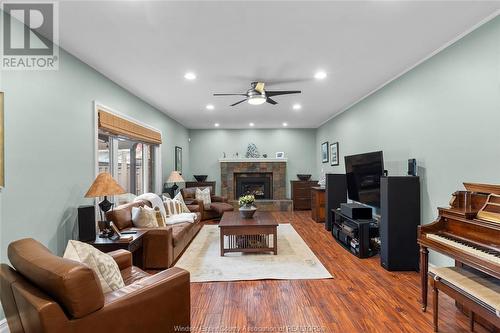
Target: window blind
120,126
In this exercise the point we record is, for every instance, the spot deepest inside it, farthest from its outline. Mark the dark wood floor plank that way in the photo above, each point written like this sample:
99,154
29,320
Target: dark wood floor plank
362,297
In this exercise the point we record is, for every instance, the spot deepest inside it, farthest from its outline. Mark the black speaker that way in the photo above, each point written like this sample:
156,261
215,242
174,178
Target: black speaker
412,167
86,223
335,194
400,217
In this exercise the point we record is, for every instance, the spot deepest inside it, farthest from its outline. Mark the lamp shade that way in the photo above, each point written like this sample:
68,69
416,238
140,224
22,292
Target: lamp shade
175,177
104,185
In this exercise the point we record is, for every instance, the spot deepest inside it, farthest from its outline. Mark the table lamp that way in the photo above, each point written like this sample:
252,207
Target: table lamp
103,186
175,177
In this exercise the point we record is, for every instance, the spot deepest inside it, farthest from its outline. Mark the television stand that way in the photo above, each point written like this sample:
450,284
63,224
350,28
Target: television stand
356,236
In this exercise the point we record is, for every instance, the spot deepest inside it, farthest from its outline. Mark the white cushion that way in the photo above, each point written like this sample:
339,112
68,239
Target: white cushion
144,217
101,263
180,199
204,195
172,207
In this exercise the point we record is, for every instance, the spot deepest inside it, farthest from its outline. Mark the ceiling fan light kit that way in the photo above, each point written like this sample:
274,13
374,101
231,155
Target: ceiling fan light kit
256,99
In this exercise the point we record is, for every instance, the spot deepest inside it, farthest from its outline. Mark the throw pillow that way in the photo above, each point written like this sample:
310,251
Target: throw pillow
180,198
101,263
144,217
204,195
173,207
160,218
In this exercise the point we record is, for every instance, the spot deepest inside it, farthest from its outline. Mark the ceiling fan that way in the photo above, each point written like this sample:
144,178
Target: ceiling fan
257,95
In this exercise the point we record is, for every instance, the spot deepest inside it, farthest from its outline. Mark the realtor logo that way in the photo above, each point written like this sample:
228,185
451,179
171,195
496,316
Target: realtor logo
30,36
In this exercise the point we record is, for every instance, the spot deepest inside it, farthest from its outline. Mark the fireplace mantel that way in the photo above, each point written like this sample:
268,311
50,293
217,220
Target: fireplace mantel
252,160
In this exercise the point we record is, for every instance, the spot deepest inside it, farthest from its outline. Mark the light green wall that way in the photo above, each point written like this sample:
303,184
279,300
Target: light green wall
445,113
207,146
49,147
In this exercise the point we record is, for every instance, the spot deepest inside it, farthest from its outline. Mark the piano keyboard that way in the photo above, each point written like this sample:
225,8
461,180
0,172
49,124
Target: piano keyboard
472,249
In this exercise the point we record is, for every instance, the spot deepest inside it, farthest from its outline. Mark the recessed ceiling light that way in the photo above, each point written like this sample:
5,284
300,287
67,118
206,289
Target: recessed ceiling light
251,124
210,107
190,76
320,75
285,124
297,106
216,125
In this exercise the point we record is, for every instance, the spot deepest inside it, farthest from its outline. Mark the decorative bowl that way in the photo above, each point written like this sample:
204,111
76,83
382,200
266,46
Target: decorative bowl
247,213
200,178
303,176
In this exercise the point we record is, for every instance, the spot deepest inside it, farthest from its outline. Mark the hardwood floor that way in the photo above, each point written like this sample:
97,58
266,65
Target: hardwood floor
362,297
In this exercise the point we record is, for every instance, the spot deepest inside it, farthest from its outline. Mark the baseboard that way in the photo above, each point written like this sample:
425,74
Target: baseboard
4,328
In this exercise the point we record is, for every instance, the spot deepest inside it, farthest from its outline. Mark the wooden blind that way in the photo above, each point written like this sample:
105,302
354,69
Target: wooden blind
120,126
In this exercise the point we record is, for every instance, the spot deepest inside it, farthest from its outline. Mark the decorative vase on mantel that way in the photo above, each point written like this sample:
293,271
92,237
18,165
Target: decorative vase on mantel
247,207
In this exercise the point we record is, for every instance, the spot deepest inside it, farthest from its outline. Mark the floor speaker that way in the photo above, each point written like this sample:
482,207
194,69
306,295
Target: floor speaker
335,194
86,223
400,217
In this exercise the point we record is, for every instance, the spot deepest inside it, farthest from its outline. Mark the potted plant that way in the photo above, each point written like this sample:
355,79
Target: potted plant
247,206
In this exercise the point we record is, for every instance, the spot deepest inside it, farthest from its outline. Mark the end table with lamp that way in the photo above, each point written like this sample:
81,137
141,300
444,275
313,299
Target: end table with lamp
104,185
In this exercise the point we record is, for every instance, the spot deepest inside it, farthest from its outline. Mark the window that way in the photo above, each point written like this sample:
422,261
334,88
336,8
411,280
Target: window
134,169
130,151
104,153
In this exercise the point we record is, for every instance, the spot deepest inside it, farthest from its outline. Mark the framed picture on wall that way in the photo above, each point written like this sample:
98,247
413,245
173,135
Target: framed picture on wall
334,153
324,152
178,159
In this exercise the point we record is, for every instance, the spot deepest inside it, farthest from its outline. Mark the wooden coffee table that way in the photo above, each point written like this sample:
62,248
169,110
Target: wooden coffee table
258,234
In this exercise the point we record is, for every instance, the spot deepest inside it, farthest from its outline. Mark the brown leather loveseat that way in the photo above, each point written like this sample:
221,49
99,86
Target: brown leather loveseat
161,246
45,293
215,210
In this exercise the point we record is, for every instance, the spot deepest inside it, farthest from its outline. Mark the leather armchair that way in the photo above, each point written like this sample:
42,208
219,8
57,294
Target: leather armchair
47,294
215,210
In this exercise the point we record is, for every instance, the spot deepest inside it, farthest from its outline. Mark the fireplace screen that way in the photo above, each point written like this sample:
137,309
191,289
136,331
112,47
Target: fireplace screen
258,184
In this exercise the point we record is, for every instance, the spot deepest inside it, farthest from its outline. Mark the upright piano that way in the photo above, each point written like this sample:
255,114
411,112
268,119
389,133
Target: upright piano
467,231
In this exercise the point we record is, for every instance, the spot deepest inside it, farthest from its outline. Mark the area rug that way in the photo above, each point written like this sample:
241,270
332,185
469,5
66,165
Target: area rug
294,260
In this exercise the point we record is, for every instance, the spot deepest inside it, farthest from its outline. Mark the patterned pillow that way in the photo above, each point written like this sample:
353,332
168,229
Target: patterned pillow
160,218
144,217
204,195
179,198
101,263
173,207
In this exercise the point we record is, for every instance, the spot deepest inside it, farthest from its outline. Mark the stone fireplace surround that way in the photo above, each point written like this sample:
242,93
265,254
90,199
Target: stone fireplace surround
231,166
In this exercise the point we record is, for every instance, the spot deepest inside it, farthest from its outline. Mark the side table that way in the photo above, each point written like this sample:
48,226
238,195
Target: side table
134,245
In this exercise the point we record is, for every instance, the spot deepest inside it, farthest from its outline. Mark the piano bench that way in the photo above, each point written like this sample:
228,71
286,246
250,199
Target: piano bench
478,292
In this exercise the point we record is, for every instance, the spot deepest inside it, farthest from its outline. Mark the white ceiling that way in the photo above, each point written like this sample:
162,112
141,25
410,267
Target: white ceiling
147,46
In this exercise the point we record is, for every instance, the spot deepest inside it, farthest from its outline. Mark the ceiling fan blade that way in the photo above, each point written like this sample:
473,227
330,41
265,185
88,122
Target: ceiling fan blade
282,92
230,94
238,102
271,101
260,87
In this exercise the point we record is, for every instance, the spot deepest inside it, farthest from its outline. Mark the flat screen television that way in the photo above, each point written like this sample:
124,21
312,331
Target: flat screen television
363,172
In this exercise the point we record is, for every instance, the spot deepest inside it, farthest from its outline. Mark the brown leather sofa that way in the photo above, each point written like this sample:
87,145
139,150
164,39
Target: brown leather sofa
45,293
215,210
161,246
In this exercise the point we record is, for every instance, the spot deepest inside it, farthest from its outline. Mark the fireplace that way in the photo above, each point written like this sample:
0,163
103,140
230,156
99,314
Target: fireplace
258,184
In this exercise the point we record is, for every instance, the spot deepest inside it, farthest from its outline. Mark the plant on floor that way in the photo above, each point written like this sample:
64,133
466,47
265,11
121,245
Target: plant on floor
246,201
